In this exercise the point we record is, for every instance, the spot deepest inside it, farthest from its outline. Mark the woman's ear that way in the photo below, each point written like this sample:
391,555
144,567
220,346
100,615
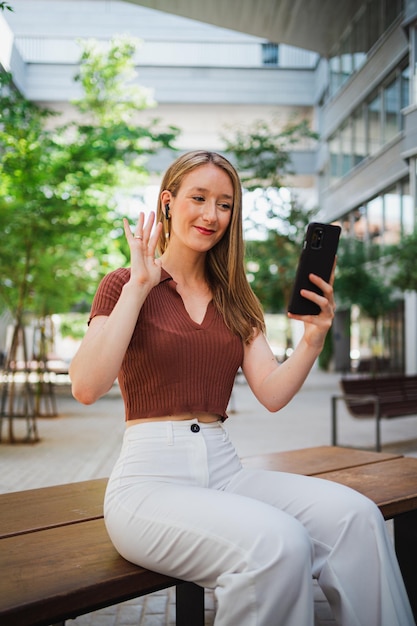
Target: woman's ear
165,197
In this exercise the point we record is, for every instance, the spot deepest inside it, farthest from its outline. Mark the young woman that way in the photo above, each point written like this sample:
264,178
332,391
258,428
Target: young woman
174,329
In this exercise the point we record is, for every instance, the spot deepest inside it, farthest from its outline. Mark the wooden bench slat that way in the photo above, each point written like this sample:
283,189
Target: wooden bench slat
311,461
47,507
91,576
392,485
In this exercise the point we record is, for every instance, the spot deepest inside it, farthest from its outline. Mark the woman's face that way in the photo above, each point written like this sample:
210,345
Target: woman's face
201,211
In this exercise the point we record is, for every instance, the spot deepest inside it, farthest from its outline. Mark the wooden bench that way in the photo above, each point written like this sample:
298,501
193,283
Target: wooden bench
57,562
377,397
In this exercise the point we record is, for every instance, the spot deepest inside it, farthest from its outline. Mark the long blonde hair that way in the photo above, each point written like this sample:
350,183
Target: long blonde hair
225,271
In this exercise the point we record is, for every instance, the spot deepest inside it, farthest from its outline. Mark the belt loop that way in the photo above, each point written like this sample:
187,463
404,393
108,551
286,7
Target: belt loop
170,434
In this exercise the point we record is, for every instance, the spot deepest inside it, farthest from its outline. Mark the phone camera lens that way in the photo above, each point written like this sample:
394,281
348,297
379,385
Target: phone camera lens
317,238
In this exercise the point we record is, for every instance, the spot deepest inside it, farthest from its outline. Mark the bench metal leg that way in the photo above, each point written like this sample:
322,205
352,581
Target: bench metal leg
378,418
189,605
334,421
378,425
378,433
405,537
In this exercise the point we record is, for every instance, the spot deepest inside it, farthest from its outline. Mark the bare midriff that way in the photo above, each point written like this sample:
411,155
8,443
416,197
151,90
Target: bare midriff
201,417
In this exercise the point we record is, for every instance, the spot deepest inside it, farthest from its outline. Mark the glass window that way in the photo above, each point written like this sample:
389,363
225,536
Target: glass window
407,210
374,124
360,224
375,220
405,87
368,25
413,61
345,148
270,55
392,216
347,224
334,66
359,135
334,150
391,125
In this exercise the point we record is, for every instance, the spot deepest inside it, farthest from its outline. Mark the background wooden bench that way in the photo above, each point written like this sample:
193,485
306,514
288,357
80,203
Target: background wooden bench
57,562
377,397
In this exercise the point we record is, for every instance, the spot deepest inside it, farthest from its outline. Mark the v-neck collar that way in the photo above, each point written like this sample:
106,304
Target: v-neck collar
210,310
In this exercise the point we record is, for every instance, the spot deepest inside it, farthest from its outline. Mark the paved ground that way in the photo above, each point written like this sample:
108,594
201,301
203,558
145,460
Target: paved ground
83,443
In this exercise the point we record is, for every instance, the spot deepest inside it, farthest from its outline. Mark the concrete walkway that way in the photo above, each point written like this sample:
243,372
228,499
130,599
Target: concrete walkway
83,443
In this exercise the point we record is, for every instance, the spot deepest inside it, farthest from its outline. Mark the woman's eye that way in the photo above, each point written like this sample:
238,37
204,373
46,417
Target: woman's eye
225,206
199,198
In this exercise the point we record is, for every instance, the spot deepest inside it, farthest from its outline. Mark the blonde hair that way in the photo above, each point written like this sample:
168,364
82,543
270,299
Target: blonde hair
225,271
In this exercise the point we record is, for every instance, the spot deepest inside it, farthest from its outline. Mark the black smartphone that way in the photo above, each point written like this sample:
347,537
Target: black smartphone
317,257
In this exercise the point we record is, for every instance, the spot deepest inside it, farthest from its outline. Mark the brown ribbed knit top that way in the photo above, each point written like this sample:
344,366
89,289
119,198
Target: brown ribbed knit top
172,365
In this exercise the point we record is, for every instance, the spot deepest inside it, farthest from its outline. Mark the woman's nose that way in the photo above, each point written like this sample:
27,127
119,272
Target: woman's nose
209,212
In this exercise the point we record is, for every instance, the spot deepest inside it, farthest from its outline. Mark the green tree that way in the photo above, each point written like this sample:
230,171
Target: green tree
262,155
262,151
272,263
58,182
404,260
363,279
363,282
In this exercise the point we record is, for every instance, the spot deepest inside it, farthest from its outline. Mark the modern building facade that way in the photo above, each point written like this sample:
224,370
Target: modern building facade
355,80
204,78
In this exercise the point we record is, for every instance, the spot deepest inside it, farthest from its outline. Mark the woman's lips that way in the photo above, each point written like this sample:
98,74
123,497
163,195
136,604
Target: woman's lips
204,231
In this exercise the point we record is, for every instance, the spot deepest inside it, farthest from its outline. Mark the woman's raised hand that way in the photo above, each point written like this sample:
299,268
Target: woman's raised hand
145,268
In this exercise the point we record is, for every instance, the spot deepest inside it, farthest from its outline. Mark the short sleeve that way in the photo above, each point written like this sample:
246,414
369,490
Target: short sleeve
108,292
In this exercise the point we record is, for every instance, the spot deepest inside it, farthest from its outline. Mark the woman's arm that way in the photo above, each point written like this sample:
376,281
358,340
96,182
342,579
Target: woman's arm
275,385
97,362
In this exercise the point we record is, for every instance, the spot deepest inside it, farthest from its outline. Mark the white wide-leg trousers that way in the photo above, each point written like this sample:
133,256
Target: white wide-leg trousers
179,502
